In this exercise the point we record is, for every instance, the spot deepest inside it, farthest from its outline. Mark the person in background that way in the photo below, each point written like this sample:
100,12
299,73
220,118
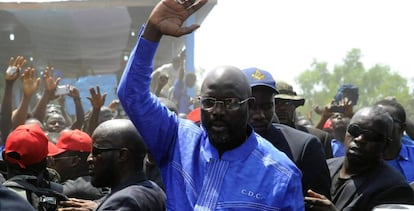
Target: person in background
200,166
302,148
361,179
69,158
286,102
183,89
25,155
398,154
116,161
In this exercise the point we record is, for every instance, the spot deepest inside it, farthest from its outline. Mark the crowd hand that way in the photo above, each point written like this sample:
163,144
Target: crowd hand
78,205
113,105
29,82
318,202
14,68
50,82
326,112
97,100
168,18
74,92
347,107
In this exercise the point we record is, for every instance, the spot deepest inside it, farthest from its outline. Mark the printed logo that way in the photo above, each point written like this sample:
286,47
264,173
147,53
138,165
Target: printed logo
251,194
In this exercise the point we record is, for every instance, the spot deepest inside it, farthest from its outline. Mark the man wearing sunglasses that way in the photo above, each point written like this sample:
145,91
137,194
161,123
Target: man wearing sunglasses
362,180
116,161
223,164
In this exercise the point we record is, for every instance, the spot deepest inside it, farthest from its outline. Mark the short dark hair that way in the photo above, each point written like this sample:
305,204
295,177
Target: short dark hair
400,111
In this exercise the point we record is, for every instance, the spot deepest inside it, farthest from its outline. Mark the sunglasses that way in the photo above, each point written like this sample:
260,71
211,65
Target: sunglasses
370,135
97,150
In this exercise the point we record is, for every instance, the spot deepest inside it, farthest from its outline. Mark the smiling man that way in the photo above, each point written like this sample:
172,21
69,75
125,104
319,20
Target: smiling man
361,180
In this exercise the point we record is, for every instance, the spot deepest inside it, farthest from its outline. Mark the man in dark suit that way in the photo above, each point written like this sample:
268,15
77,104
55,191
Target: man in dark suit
362,180
116,161
286,102
302,148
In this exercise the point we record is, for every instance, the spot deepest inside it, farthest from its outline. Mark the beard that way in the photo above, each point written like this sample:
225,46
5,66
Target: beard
219,140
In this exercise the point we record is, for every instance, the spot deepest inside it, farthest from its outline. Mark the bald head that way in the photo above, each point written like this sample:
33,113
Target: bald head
121,133
375,117
226,77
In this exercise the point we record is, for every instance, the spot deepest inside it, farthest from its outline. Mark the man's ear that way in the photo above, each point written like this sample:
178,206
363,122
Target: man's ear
123,154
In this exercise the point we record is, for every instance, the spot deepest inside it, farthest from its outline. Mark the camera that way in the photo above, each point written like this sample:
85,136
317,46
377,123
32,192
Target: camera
63,89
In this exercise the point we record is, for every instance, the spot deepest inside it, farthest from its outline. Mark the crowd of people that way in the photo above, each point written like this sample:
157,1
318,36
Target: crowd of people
238,146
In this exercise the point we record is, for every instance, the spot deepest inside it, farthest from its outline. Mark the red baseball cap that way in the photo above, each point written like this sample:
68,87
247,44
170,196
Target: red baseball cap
71,140
195,115
26,145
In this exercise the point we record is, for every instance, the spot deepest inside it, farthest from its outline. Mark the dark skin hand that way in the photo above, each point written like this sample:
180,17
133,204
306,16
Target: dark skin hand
168,17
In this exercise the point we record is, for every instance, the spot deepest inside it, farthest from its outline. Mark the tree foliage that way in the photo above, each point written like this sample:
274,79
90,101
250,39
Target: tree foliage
319,84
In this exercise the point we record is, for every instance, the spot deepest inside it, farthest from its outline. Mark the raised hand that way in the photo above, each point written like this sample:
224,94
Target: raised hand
97,100
50,82
29,82
74,92
15,66
168,18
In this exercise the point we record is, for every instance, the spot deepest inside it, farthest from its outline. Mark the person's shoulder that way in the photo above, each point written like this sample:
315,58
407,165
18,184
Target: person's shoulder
164,67
293,134
389,174
11,201
274,155
136,197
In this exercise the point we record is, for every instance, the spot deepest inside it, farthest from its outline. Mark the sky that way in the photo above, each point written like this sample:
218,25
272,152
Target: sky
284,37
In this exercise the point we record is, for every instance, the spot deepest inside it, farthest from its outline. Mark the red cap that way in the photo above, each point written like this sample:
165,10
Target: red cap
71,140
29,142
195,115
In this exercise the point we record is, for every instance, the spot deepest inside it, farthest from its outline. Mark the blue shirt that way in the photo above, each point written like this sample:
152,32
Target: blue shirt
407,140
338,148
404,163
254,175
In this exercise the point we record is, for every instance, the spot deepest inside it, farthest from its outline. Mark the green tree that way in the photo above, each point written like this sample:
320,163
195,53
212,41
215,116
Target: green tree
319,85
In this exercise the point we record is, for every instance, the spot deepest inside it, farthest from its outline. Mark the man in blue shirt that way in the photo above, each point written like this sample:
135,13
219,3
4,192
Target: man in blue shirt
399,154
221,165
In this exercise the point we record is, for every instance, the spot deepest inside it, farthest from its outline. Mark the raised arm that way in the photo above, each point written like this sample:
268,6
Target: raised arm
97,100
167,18
48,94
80,113
12,73
30,85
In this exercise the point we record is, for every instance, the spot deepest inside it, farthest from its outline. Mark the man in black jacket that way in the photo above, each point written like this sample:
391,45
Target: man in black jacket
361,179
302,148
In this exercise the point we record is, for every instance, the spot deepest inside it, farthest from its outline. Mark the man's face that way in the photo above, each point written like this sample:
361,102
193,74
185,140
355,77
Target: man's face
102,162
364,141
264,109
285,111
62,163
55,123
225,124
339,121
